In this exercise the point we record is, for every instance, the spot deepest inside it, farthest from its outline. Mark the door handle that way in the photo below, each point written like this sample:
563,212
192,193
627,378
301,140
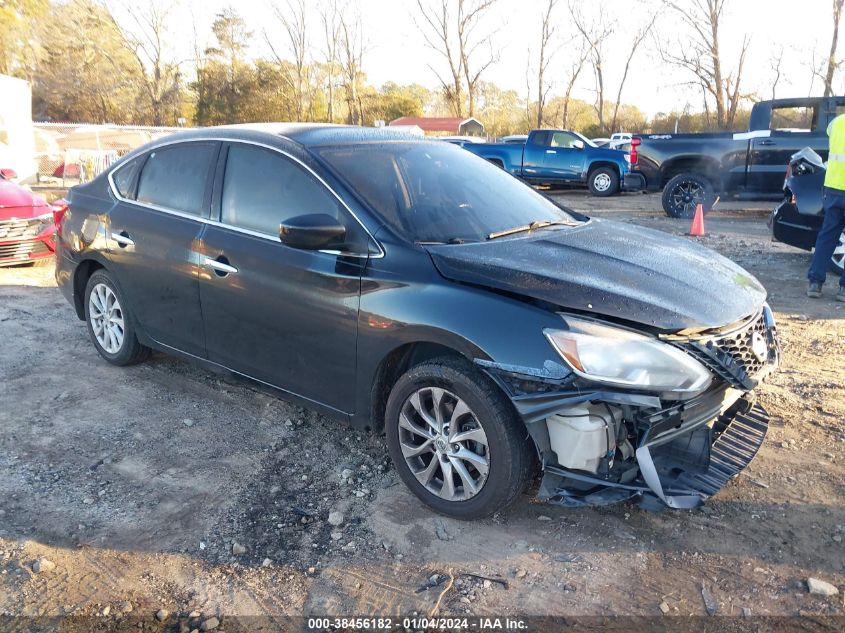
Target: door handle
551,151
221,268
123,240
767,142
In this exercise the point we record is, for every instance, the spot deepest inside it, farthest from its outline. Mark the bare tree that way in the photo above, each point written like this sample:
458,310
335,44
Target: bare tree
776,62
352,55
292,17
701,56
148,40
638,39
436,31
330,17
832,64
595,32
547,33
451,29
469,16
575,69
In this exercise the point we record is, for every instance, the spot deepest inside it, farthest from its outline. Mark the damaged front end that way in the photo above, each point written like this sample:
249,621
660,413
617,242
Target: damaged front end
601,442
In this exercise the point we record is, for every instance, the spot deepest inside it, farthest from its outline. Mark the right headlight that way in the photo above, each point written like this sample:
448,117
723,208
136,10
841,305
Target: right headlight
623,358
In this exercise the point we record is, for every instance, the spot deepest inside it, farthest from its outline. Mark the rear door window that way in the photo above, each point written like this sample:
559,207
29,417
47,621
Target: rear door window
176,177
262,188
794,119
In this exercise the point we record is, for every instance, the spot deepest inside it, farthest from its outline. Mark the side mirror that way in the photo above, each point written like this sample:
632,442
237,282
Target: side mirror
7,173
579,144
311,232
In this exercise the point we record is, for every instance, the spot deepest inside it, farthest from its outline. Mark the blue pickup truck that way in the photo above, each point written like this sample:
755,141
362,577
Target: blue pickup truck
561,157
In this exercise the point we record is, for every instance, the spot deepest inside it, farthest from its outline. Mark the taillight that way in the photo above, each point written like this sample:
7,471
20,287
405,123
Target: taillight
635,143
59,207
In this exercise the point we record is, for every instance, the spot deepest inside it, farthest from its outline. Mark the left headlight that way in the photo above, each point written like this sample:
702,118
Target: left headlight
623,358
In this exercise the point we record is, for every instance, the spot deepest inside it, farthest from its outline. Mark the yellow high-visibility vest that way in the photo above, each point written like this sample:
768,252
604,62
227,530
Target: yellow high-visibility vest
835,177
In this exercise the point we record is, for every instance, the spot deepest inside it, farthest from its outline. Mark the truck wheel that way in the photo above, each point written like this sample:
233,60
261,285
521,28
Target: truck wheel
684,192
837,261
603,182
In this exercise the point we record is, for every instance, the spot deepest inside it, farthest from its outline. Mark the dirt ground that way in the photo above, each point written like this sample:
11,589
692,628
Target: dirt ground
137,483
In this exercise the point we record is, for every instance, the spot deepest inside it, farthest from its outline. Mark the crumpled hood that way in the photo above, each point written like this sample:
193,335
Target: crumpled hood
612,269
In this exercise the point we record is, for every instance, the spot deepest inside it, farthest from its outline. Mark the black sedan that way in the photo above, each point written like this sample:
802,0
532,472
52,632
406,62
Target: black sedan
413,288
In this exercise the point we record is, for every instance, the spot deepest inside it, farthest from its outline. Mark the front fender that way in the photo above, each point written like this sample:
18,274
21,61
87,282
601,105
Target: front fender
477,323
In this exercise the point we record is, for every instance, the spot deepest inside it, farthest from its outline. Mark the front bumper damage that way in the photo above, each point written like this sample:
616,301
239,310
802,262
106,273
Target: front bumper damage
682,452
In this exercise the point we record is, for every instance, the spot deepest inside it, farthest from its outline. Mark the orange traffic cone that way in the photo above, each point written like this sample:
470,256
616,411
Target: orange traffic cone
697,228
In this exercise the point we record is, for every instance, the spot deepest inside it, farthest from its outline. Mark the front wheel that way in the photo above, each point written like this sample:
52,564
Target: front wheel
603,182
684,192
109,324
456,441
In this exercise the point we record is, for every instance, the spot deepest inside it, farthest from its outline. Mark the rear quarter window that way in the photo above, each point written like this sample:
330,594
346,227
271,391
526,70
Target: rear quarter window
124,178
176,177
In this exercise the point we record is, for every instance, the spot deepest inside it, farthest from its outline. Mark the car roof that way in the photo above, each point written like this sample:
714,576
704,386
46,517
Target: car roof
308,134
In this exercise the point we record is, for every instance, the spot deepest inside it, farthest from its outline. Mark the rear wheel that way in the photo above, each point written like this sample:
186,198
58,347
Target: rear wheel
603,182
837,261
684,192
110,326
456,441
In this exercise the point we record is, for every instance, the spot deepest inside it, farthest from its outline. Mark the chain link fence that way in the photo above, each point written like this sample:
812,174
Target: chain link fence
71,153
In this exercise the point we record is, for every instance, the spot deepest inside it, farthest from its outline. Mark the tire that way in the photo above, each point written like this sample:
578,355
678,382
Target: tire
683,192
603,182
117,349
837,260
506,446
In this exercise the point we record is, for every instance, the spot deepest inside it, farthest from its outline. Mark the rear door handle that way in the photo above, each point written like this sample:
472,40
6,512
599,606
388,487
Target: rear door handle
551,151
123,240
221,266
766,142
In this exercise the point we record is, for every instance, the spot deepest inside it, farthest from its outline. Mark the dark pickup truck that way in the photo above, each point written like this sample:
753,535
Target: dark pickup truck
561,157
695,168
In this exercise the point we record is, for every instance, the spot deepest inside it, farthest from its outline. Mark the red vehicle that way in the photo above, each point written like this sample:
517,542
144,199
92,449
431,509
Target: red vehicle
26,224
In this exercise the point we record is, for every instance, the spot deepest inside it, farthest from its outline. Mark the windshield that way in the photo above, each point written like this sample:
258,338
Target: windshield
438,192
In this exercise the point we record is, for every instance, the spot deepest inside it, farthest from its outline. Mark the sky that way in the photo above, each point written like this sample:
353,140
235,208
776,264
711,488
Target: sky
396,51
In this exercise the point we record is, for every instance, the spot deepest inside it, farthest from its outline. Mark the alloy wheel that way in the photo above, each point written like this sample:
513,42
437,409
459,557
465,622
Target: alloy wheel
685,196
443,444
106,318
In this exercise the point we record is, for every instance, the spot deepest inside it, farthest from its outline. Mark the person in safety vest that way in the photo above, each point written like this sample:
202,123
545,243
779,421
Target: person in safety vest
834,212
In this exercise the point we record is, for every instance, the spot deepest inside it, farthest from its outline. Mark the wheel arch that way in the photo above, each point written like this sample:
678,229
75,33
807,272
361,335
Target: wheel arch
707,167
598,164
395,363
81,275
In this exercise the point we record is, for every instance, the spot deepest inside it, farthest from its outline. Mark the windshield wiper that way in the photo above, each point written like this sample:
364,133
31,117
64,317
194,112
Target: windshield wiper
537,224
451,240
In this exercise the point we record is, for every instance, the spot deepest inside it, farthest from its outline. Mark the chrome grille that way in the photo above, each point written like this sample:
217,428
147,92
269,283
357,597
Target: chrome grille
738,345
731,355
23,250
19,229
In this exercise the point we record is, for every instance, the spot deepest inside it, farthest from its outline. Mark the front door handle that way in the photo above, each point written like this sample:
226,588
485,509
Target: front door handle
766,142
123,240
220,266
551,151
